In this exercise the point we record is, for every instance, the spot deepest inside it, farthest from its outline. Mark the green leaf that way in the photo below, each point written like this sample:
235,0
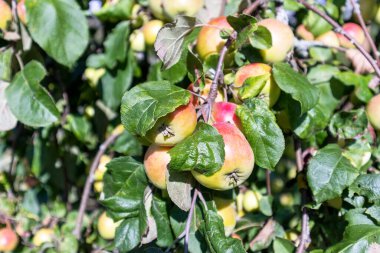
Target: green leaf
81,128
213,230
265,204
160,214
59,27
360,82
281,245
374,212
128,234
348,125
329,173
245,26
116,45
358,238
116,10
261,38
203,151
7,120
5,64
145,103
253,86
262,132
179,185
28,100
296,85
367,185
127,144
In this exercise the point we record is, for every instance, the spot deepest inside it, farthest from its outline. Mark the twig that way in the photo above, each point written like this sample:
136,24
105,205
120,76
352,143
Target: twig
86,192
179,238
188,222
253,6
339,29
265,232
365,29
267,176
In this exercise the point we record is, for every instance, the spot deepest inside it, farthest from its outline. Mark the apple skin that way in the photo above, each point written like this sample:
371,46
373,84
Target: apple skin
107,227
270,92
173,8
209,40
156,7
286,199
282,40
238,163
227,209
251,201
21,11
8,239
42,236
99,172
150,31
303,33
156,161
239,204
225,112
329,38
355,31
373,112
6,15
174,127
137,41
204,93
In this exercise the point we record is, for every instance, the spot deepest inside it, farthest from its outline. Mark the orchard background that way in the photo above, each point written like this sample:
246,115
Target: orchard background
189,126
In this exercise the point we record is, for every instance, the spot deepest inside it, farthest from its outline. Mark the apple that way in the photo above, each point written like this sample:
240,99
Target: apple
107,227
209,40
98,186
21,11
137,41
270,92
355,31
44,235
6,15
329,38
173,8
99,172
286,199
238,163
377,18
282,40
157,8
8,239
225,112
93,75
239,204
373,112
251,201
150,31
292,236
204,93
174,127
156,161
277,184
227,209
303,33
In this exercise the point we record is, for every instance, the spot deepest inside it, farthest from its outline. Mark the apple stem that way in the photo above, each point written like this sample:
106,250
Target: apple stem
340,30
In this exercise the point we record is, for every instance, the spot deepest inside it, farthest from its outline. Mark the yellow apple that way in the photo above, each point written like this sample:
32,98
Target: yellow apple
373,112
150,31
137,41
251,200
44,235
227,209
173,8
107,227
6,15
239,204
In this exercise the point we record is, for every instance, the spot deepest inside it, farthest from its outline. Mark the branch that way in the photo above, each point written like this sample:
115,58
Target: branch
264,233
340,30
90,178
267,176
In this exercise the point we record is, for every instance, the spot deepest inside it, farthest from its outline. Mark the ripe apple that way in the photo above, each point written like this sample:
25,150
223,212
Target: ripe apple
238,163
150,31
227,209
329,38
204,93
156,161
355,31
8,239
303,33
173,8
137,41
174,127
251,201
209,40
44,235
225,112
21,11
107,227
373,112
6,15
270,92
282,40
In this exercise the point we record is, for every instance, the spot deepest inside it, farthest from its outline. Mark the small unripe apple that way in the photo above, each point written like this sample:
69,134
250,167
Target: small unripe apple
282,40
21,11
277,184
303,33
227,209
99,172
225,112
174,127
173,8
292,236
150,31
286,199
251,200
238,163
44,235
107,227
239,204
156,161
93,75
209,40
373,112
8,239
98,186
137,41
355,31
204,93
329,39
157,8
270,91
6,15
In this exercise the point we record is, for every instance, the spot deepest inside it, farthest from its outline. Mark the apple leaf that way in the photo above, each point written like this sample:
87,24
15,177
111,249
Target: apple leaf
28,100
7,120
179,185
367,185
295,84
5,64
145,103
202,151
160,214
59,27
116,44
262,132
261,38
116,10
281,245
253,86
329,173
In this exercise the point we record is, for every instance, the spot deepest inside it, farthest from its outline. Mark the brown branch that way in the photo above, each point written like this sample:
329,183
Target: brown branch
267,176
90,178
264,233
339,29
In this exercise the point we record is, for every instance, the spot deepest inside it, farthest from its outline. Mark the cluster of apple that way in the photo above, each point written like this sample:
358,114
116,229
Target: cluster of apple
6,14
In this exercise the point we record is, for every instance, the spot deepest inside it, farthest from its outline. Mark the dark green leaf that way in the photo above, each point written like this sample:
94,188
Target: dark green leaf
281,245
348,124
116,45
116,10
160,214
253,86
367,185
5,64
127,144
261,38
128,234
